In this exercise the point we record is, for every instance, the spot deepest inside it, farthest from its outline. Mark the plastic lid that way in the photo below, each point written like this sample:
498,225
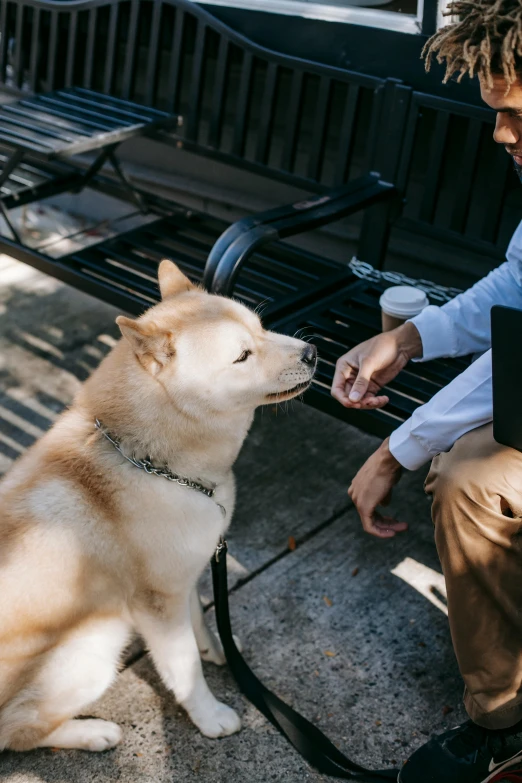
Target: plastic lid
403,301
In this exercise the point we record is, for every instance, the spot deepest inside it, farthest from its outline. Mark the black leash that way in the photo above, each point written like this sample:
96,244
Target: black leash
303,735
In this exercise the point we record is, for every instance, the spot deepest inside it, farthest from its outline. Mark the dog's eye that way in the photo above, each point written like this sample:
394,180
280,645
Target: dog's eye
244,356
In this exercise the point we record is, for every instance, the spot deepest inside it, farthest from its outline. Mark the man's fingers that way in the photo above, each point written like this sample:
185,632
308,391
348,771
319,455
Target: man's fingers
380,526
371,401
361,383
342,382
382,532
389,523
368,403
368,520
375,530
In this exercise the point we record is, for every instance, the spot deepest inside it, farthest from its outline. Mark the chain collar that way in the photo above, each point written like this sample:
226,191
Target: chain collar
148,466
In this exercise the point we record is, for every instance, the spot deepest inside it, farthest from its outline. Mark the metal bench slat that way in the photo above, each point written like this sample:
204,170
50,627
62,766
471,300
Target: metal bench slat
59,110
346,134
243,99
292,121
18,39
3,42
151,113
40,130
114,114
130,49
267,109
218,92
175,60
96,260
152,63
17,139
108,74
319,132
195,83
89,48
19,110
178,249
467,167
53,39
435,166
71,48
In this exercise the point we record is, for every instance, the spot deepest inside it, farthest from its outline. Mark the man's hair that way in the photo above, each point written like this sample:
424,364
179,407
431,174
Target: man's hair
486,41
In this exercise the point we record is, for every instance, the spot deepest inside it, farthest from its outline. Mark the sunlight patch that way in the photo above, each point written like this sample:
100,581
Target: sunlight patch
425,580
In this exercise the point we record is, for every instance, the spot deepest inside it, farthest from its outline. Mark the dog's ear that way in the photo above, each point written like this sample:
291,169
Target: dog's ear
171,279
152,346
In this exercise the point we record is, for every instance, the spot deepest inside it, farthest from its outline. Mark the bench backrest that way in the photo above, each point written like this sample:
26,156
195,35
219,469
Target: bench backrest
459,185
296,121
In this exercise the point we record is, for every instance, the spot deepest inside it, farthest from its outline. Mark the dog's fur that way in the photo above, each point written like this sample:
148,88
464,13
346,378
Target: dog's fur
92,547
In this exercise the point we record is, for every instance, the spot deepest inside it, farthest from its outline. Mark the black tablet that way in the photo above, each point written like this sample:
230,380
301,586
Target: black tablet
506,351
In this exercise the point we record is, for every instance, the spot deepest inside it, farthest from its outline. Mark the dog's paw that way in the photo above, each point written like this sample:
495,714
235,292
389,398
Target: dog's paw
98,735
215,653
219,721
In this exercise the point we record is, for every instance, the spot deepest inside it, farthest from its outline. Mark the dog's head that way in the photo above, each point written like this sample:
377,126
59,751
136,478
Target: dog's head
213,353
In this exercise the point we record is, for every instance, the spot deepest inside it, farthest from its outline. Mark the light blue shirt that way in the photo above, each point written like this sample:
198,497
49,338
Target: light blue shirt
458,328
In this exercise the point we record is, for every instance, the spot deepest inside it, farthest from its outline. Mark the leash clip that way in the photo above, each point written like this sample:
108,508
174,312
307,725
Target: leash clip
221,547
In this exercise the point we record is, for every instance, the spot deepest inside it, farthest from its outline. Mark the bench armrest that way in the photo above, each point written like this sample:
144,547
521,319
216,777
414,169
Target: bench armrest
245,236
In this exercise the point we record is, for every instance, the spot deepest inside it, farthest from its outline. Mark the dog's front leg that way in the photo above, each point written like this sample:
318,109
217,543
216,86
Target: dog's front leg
170,638
210,647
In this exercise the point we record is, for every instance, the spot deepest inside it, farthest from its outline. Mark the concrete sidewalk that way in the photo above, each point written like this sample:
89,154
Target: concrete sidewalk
350,630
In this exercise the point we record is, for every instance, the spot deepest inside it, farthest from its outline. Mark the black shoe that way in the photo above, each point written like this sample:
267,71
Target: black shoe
467,754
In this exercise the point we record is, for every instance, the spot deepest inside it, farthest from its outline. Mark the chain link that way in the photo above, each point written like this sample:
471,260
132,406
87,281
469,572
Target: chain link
436,292
148,466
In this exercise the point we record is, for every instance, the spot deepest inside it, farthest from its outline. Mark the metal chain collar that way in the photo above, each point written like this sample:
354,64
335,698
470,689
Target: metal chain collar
435,291
148,466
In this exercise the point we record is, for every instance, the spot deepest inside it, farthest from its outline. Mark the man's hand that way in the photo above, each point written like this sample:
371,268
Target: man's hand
363,371
372,487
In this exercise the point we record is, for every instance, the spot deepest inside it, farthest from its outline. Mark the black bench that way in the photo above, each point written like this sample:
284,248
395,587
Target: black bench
40,130
233,96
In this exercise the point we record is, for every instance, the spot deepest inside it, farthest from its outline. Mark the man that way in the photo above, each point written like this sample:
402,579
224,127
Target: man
475,483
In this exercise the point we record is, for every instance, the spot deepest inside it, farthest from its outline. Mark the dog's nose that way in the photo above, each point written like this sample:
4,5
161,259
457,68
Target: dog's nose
309,355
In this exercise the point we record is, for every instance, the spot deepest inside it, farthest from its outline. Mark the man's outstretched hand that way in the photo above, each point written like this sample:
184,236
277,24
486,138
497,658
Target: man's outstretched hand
362,372
372,487
359,376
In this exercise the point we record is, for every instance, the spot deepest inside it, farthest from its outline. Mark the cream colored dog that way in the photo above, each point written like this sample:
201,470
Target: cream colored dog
91,547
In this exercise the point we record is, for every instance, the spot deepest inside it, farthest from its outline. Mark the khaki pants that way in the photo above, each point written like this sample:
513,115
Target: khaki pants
477,512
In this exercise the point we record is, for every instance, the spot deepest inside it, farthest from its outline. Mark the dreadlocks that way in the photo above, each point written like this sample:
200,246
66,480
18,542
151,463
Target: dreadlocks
487,40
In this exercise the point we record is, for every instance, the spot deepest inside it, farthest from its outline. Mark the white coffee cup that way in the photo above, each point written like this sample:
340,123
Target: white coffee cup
399,303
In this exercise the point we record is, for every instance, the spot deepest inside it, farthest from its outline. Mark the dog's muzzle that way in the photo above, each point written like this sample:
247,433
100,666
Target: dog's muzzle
309,356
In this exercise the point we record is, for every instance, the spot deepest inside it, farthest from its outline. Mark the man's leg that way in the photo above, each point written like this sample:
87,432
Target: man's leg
477,512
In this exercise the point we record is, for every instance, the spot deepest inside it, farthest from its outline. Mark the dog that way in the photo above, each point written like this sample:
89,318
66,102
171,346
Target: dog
107,522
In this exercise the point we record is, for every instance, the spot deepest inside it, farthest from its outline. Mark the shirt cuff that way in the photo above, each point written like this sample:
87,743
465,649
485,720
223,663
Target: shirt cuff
407,449
437,333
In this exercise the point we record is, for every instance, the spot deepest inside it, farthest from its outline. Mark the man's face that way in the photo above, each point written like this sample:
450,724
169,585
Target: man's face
508,128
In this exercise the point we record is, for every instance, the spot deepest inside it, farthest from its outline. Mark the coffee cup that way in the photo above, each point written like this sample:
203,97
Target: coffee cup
400,302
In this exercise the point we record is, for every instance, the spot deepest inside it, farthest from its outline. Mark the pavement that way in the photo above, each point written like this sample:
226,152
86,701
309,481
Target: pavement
350,630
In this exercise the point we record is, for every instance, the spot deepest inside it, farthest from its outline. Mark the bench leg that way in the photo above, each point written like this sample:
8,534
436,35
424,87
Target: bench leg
107,155
127,184
9,222
11,163
94,168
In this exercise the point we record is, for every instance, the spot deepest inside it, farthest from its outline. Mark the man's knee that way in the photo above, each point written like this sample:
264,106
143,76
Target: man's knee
474,474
